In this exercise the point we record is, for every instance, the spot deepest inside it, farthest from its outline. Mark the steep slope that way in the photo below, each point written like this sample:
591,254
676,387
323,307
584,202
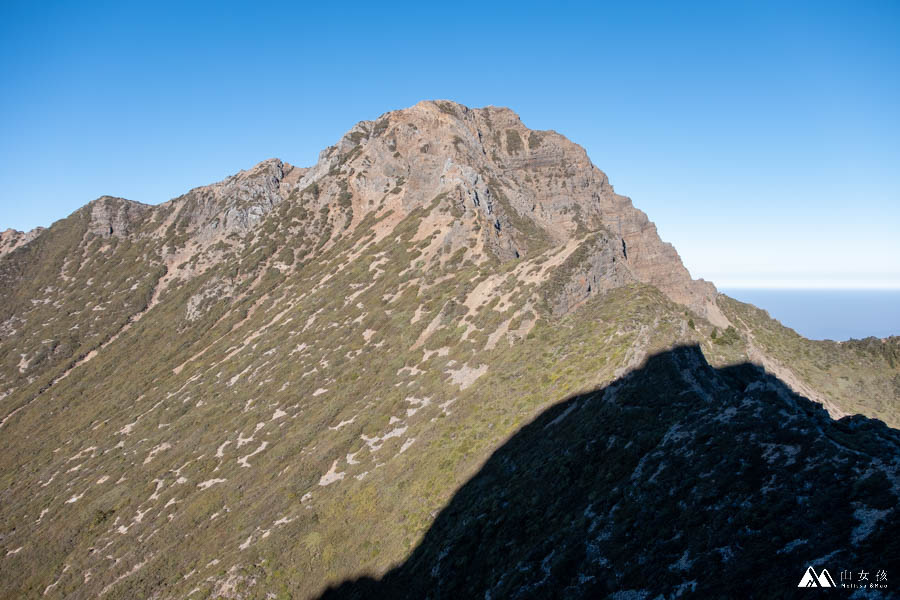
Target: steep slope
276,382
523,191
678,479
68,291
856,376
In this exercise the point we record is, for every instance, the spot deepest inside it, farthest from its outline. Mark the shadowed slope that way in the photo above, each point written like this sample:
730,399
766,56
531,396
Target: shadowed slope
677,478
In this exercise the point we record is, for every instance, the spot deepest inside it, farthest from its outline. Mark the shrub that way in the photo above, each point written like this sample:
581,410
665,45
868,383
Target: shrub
513,142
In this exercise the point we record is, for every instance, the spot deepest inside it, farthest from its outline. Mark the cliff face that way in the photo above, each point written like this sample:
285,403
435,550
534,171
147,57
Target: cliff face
277,382
115,216
518,192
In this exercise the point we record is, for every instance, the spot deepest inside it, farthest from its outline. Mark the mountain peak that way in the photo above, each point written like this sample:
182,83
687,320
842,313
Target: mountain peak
511,191
495,190
277,381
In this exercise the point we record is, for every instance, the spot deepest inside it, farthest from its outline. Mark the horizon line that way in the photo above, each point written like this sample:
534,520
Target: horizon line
815,285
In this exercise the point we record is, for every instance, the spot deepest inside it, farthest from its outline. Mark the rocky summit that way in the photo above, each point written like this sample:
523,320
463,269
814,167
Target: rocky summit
446,361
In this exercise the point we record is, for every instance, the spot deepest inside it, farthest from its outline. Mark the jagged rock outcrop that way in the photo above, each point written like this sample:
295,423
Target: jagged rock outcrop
111,216
524,191
236,204
515,191
12,239
595,267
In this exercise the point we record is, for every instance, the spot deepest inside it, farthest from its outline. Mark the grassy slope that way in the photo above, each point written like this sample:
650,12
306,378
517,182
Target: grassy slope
126,402
131,437
859,376
63,295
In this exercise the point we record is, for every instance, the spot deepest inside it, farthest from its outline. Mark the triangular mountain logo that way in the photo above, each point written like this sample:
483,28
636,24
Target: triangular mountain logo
810,579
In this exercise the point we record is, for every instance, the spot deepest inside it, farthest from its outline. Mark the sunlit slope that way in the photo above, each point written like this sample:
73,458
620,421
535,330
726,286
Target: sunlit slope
276,382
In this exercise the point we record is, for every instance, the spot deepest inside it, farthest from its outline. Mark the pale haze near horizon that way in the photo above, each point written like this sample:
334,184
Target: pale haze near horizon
762,140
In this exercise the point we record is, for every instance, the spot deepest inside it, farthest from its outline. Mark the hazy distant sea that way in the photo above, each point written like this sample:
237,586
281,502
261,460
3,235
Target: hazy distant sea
829,314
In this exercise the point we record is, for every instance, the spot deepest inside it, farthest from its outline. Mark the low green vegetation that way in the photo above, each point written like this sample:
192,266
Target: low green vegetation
859,376
260,343
295,402
513,142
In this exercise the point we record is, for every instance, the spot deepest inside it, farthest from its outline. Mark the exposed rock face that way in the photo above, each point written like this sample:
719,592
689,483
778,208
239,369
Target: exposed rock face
517,192
236,204
12,239
523,190
596,266
115,216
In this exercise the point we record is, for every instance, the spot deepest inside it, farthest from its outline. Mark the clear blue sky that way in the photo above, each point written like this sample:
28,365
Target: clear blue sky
763,139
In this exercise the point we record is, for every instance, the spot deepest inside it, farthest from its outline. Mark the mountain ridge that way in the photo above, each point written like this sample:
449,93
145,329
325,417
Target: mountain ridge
275,382
263,186
612,506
